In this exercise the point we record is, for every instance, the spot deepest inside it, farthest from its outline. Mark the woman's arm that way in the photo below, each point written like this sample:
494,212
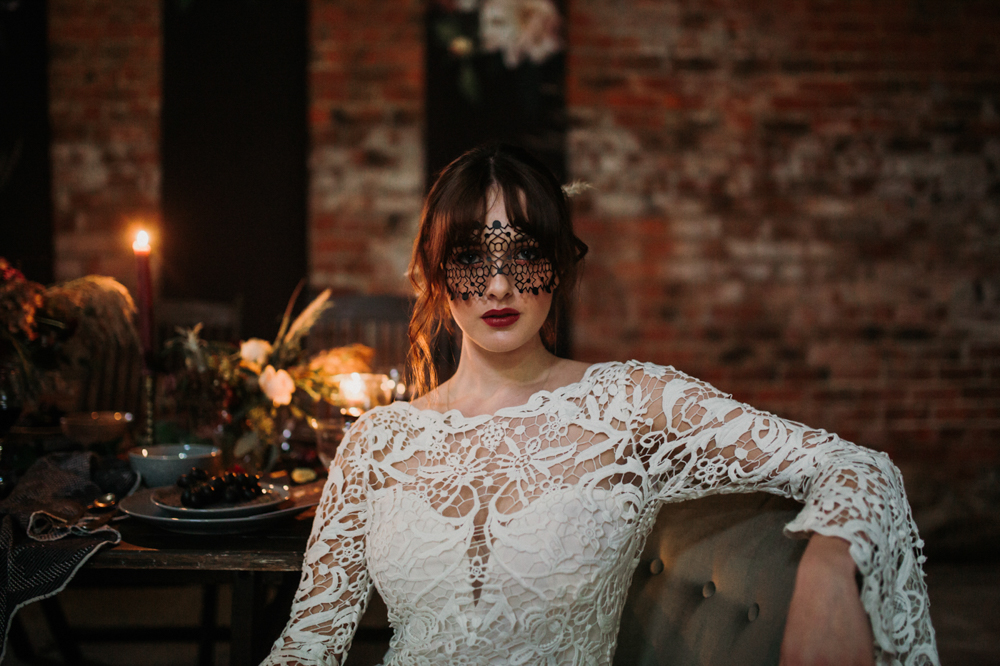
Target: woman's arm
826,595
335,584
697,441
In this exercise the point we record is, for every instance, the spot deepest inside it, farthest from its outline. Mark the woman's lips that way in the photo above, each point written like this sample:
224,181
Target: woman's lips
501,318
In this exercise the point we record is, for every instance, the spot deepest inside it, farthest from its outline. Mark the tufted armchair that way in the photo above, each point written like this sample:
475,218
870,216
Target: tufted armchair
713,584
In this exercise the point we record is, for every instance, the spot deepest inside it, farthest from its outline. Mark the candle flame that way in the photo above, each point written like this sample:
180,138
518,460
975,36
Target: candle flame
353,389
141,243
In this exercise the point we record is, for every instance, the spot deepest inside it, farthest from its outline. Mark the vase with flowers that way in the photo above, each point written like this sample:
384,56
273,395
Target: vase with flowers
247,397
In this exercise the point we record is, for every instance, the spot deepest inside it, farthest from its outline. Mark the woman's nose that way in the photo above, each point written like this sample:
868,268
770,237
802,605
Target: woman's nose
499,284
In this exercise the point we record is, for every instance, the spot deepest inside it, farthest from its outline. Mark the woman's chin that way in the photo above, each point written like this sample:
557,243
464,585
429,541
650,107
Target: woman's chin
504,340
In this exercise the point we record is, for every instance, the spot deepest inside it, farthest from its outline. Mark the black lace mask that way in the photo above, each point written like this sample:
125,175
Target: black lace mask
498,250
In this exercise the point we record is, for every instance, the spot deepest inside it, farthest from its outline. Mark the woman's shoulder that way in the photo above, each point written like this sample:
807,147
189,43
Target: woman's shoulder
567,371
382,416
374,430
618,370
432,400
644,375
378,422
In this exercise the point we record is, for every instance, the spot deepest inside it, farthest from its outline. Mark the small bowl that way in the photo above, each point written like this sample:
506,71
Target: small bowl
162,464
95,427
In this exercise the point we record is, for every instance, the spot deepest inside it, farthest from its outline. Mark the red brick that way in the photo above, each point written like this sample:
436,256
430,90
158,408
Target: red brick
960,373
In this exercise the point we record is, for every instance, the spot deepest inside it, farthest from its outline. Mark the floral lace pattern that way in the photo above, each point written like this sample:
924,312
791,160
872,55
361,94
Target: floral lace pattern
511,538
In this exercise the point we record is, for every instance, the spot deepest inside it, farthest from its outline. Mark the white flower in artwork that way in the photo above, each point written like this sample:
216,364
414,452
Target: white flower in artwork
520,29
254,352
276,385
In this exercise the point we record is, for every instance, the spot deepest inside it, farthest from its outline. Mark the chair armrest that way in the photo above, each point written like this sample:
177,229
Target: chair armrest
713,584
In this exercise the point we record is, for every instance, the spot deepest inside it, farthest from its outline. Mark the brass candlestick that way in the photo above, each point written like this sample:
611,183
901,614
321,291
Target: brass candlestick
148,436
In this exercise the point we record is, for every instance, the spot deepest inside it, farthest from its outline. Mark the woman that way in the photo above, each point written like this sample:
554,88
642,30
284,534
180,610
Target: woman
500,514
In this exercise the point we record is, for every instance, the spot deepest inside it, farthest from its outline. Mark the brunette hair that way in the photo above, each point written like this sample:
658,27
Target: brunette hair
455,209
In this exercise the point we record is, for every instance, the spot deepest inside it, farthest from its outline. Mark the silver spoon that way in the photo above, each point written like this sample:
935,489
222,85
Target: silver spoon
99,512
104,502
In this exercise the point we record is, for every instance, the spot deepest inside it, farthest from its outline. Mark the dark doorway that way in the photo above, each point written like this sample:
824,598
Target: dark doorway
25,169
475,96
234,141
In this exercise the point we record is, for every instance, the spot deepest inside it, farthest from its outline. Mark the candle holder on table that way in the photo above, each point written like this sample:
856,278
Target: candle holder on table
358,392
150,399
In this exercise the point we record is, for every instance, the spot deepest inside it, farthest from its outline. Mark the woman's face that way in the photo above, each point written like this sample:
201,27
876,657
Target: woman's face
501,285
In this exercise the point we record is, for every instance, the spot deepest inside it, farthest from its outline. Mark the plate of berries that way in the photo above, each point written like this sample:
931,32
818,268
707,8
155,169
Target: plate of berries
230,495
140,505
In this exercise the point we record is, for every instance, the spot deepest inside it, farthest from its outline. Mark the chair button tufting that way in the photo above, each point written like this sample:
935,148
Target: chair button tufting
708,590
656,566
753,613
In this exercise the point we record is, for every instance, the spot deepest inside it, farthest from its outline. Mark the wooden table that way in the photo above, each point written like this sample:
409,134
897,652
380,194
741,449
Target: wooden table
148,554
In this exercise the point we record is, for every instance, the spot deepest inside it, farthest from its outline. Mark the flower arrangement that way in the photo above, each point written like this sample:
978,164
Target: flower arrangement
20,301
247,393
521,31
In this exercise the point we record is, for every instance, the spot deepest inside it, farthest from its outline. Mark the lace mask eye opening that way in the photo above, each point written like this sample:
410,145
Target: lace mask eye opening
498,250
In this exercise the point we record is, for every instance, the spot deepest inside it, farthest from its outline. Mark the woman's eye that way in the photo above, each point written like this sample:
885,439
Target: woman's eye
468,258
528,254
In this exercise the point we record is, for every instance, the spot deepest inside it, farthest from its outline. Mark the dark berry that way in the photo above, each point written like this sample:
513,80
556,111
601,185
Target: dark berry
203,493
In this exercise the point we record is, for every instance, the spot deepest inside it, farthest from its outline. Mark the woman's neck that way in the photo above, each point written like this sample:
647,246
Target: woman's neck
486,381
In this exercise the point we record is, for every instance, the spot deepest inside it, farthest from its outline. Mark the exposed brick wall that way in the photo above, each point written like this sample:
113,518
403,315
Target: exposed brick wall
797,201
104,86
366,126
800,202
366,162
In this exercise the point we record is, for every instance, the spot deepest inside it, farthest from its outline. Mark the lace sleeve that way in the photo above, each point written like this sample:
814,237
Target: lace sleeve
697,441
335,584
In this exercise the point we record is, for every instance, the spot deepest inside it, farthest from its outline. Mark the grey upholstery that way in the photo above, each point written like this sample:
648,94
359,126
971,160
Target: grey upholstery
713,584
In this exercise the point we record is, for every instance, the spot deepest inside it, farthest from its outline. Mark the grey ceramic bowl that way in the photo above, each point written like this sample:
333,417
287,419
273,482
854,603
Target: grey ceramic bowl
161,464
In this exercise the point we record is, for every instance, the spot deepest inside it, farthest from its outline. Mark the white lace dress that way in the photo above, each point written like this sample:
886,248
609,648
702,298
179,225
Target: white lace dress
511,538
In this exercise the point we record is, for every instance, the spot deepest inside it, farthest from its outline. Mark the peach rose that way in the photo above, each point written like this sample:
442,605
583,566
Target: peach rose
254,353
277,385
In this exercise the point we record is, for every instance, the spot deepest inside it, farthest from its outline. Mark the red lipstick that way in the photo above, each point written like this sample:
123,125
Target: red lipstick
501,318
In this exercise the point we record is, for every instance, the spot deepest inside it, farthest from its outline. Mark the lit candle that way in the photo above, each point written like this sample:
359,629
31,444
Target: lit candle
144,294
354,391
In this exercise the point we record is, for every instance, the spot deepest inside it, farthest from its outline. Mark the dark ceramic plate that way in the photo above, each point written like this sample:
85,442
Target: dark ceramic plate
168,499
140,506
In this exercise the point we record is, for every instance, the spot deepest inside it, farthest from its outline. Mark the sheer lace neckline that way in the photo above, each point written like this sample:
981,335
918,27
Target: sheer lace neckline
512,410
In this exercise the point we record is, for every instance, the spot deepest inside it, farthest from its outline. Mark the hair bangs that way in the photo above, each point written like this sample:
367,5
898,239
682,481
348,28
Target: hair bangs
454,218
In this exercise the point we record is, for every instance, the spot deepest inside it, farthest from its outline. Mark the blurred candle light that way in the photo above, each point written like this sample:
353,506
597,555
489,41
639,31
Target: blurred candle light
141,244
354,391
360,391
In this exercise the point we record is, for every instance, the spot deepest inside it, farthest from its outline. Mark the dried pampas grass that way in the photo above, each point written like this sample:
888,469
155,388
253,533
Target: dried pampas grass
576,187
102,308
